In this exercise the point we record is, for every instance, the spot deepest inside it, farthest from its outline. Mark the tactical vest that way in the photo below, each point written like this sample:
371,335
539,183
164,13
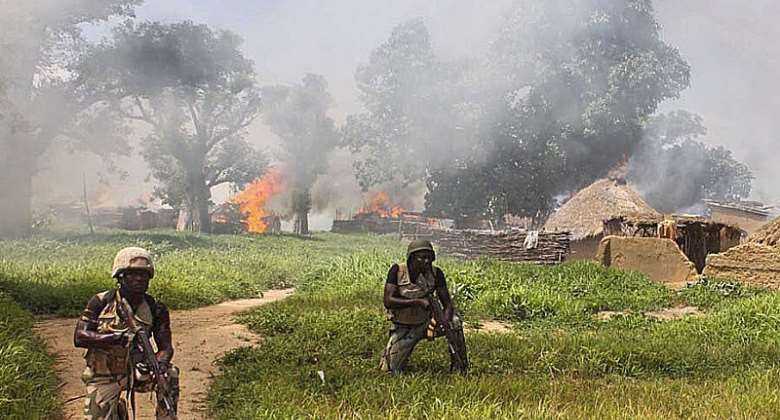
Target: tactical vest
114,361
421,289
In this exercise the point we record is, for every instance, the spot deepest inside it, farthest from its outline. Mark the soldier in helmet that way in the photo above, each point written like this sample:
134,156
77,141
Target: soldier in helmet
114,364
419,306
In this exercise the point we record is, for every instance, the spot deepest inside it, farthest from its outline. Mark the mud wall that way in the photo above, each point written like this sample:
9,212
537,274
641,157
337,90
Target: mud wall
660,259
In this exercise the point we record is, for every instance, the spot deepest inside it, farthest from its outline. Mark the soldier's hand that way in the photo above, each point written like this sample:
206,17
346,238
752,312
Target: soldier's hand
424,303
162,360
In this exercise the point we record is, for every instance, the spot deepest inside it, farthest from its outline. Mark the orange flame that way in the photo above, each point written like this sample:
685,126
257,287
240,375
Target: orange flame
253,199
379,203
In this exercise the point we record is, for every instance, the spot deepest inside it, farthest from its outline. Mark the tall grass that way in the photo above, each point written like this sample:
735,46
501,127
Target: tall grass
57,273
27,380
560,361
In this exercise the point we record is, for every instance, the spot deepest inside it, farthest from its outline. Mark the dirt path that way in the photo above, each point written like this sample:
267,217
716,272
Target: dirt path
200,336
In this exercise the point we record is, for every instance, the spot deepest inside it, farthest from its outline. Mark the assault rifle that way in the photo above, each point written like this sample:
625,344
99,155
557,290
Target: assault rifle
456,342
162,388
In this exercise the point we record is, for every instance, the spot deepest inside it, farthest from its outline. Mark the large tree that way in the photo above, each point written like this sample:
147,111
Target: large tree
577,77
298,115
196,93
413,120
39,42
675,170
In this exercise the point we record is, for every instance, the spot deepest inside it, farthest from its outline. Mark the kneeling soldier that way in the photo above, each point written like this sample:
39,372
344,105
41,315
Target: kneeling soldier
116,328
416,313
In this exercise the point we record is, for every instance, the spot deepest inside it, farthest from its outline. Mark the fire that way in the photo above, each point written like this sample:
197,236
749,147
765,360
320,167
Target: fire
253,199
379,203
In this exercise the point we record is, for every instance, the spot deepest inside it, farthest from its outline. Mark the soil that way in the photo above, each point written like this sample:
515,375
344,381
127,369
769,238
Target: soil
670,314
200,336
491,326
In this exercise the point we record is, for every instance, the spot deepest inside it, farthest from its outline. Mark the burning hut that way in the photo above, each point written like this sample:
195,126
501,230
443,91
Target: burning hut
381,215
755,262
584,214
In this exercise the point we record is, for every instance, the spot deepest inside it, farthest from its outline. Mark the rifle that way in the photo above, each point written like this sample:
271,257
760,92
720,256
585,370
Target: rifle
456,342
162,387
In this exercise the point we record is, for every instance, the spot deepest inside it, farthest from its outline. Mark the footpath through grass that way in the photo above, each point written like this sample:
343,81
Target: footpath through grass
560,361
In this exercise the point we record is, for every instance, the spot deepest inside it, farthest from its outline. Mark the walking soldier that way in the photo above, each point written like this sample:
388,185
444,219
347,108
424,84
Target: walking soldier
116,328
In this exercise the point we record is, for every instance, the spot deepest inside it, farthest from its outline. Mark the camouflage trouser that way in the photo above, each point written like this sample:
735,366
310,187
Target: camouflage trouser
104,399
403,339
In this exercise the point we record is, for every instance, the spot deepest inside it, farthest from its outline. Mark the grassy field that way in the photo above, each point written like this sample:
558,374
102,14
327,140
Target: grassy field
57,273
559,361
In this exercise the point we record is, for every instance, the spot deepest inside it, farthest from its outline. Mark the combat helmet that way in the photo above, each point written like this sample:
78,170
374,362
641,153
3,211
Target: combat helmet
132,258
419,245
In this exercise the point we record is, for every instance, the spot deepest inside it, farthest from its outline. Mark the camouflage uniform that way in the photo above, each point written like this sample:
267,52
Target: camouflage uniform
117,369
412,324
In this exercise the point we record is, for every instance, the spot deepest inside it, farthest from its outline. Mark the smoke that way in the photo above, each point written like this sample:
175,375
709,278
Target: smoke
730,46
732,49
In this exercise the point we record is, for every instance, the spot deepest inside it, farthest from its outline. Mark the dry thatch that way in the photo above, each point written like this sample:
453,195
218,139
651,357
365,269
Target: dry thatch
769,234
584,214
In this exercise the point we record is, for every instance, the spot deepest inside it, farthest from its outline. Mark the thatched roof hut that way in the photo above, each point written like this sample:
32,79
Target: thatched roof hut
584,214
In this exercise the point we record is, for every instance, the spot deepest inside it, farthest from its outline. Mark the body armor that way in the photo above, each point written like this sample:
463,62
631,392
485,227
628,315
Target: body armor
114,361
421,289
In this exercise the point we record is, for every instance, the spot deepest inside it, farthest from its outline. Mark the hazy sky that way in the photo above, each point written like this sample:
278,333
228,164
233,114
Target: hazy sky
734,52
732,47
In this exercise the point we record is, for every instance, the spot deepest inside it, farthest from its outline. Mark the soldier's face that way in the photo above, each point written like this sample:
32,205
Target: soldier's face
135,281
422,260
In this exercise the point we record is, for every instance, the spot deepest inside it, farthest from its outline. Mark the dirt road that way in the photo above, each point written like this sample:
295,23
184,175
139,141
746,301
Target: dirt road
200,336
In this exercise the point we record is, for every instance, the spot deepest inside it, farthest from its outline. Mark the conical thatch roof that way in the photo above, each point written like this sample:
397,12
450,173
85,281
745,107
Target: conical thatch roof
584,214
769,234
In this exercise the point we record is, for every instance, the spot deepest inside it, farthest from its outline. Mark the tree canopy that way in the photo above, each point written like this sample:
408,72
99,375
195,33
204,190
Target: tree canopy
298,115
196,93
675,170
575,80
41,41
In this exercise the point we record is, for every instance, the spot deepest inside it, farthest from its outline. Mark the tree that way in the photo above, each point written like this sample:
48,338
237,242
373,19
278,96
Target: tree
41,39
675,171
412,121
298,115
577,78
195,91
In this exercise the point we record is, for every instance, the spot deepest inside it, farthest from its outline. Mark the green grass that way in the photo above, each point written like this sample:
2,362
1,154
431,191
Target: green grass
560,360
27,380
58,273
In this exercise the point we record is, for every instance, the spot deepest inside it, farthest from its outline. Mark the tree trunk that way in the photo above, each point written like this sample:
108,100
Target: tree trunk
16,175
184,222
302,223
203,216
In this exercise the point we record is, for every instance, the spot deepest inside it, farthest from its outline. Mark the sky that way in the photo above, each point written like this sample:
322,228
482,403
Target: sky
730,45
